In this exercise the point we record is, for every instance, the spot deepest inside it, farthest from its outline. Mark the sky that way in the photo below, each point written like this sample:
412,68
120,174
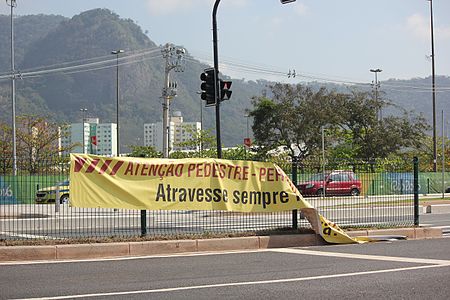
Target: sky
325,39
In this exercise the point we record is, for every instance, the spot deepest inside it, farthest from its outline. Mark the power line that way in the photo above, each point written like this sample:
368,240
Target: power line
104,62
109,62
94,68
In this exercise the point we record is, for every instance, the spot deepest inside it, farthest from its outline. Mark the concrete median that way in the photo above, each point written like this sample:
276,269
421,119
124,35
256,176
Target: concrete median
104,250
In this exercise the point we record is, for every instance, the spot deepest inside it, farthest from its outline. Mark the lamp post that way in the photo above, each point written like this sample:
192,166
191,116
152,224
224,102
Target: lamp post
433,87
216,73
247,137
248,132
443,155
83,111
323,160
201,122
376,85
12,4
116,53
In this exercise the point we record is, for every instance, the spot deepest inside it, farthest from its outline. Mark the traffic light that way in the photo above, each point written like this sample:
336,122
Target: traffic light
225,92
208,86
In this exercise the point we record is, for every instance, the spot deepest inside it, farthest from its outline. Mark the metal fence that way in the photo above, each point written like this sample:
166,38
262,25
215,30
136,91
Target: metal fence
385,197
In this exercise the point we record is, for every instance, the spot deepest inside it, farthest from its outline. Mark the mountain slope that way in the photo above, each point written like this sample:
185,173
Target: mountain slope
27,30
94,34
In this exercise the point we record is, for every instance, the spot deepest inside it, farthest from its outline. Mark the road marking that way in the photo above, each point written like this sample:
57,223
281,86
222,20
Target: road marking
234,284
365,256
27,236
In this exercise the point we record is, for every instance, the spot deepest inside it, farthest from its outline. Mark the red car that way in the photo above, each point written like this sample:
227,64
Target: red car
336,183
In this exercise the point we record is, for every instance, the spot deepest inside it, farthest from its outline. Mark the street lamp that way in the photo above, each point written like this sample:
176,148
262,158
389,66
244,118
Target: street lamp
433,86
116,53
247,116
201,121
83,111
12,4
376,85
323,160
216,73
443,154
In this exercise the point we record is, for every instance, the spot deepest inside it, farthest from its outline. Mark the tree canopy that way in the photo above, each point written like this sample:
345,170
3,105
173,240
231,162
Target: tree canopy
294,115
37,140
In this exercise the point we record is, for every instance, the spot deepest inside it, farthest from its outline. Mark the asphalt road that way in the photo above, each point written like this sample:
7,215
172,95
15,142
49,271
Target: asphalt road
384,270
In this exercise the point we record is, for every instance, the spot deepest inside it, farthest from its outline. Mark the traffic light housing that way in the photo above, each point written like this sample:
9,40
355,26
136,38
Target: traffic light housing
225,92
208,86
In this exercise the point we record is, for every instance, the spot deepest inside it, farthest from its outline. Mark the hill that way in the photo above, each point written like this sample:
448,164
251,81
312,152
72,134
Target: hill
94,34
28,29
50,42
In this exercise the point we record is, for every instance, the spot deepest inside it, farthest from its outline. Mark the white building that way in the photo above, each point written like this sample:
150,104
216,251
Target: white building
91,137
179,132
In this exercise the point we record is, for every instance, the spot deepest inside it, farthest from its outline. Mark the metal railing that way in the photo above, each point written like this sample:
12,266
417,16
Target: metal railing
360,194
385,198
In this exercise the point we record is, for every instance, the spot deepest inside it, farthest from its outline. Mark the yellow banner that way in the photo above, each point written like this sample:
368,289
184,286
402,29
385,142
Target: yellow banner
186,184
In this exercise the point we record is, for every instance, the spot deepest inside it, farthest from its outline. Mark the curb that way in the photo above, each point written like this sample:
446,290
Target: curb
104,250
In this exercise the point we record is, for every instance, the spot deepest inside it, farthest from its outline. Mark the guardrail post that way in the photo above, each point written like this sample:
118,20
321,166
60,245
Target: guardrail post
416,191
57,196
143,222
401,186
294,181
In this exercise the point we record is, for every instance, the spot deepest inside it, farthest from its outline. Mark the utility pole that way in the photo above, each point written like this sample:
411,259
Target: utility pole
433,87
116,53
216,73
174,60
376,86
12,4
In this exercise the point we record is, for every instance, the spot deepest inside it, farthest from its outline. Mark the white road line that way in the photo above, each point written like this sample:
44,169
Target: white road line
364,256
234,284
441,227
27,236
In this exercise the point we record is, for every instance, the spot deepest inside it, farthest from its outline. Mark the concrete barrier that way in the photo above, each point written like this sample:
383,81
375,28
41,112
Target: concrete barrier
438,209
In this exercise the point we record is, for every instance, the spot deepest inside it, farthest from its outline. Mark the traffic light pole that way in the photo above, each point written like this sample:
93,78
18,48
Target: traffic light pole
216,81
218,92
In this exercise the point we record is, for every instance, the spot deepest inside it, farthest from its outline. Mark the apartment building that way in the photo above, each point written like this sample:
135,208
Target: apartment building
179,131
91,137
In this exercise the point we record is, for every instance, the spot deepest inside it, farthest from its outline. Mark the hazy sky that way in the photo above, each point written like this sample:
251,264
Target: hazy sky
328,39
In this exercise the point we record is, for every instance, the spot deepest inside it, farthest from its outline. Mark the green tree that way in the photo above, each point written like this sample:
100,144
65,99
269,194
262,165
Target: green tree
291,119
5,148
144,151
371,138
202,144
38,142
